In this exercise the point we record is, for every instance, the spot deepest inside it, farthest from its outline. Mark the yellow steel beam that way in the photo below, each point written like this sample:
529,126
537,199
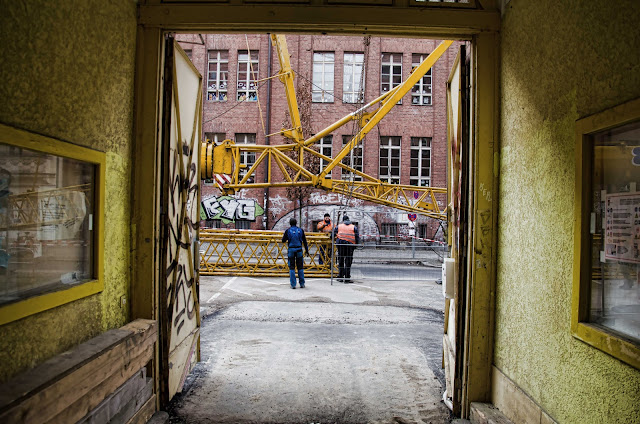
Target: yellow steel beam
415,199
388,103
287,76
238,252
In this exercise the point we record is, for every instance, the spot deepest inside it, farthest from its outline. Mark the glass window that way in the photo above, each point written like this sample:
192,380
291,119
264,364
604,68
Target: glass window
247,76
246,158
214,137
606,286
46,223
615,230
388,231
326,146
420,169
217,75
421,92
353,78
353,160
322,89
390,160
242,225
390,72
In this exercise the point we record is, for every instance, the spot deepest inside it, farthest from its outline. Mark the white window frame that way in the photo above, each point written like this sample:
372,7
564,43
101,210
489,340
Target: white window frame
353,69
387,145
325,144
247,87
217,87
422,91
246,158
352,158
395,79
214,137
322,90
422,175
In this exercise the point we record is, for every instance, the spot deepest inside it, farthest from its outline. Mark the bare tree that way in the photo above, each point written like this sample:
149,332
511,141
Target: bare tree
310,162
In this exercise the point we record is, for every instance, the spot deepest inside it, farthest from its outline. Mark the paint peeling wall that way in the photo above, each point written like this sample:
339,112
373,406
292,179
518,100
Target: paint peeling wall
67,71
561,60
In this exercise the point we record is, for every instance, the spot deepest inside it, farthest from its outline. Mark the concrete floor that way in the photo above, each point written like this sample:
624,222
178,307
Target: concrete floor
368,352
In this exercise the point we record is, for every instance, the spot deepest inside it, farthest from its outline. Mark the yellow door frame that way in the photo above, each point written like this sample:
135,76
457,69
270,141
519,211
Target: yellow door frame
403,18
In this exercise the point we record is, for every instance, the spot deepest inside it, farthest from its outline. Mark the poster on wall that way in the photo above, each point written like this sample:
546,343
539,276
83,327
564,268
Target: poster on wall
622,227
229,209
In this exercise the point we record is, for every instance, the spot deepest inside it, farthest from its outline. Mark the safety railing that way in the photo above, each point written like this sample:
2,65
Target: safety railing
248,252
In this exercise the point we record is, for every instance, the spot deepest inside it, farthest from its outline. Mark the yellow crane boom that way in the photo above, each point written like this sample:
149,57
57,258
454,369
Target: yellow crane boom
226,157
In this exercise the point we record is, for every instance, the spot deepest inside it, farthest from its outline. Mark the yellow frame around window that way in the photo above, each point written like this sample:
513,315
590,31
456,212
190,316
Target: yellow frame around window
33,305
593,334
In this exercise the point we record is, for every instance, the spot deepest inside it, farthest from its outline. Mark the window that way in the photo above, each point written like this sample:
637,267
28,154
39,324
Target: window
247,76
353,159
326,147
51,210
353,80
243,225
189,53
420,172
606,310
421,92
391,72
246,158
213,137
218,75
390,159
389,231
322,90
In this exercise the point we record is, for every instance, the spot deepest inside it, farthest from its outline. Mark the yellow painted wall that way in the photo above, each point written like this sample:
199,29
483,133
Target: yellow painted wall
67,72
561,60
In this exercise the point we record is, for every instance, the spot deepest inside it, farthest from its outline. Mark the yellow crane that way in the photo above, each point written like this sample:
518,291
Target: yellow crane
225,158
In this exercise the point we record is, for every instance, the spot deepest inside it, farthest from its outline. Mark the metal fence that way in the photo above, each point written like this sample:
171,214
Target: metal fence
247,252
394,247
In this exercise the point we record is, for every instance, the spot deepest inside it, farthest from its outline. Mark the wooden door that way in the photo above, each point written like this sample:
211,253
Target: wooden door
179,295
457,184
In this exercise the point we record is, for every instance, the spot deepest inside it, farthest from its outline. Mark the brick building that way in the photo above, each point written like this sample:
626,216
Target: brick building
408,146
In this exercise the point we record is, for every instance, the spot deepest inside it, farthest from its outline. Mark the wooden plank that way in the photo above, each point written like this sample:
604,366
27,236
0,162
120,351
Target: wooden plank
79,371
485,413
109,407
57,367
134,405
94,397
145,413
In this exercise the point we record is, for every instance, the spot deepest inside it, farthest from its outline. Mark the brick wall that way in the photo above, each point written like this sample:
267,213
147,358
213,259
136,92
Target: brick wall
404,120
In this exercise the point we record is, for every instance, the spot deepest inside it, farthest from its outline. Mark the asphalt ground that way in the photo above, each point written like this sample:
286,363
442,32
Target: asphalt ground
368,352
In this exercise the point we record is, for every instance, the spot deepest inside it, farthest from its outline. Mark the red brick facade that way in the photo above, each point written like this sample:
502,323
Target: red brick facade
405,120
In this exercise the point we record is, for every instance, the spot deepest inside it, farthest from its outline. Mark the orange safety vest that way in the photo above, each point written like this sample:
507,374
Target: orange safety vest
347,233
327,228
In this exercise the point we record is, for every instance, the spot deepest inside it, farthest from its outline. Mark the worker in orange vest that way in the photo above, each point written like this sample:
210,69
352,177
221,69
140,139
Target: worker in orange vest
326,226
347,237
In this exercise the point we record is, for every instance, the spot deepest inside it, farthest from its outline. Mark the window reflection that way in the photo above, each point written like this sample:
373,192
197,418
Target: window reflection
615,230
46,219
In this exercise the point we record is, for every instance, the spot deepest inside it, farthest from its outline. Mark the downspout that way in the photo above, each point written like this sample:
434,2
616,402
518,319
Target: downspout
268,130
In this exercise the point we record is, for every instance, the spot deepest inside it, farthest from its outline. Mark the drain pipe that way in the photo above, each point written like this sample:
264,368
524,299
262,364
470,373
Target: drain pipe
446,401
265,220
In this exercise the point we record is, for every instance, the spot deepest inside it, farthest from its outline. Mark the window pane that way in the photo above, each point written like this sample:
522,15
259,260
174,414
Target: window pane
46,223
615,230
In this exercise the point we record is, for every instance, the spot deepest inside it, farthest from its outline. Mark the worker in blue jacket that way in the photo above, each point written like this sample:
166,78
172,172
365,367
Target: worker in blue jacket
296,238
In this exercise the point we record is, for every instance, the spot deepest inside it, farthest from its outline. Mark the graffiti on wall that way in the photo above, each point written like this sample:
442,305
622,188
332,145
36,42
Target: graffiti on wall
230,209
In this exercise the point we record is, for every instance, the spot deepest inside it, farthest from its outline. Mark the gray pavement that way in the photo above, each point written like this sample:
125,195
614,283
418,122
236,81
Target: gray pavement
368,352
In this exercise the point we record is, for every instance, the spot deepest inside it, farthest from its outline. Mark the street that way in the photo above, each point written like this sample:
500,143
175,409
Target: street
348,353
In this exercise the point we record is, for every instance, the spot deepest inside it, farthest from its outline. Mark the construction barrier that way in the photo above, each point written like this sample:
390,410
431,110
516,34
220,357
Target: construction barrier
249,252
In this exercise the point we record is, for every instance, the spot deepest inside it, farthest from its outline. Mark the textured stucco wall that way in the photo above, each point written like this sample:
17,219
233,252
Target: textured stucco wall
561,60
67,71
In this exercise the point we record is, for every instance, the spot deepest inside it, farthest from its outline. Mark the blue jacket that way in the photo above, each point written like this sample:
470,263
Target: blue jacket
296,238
